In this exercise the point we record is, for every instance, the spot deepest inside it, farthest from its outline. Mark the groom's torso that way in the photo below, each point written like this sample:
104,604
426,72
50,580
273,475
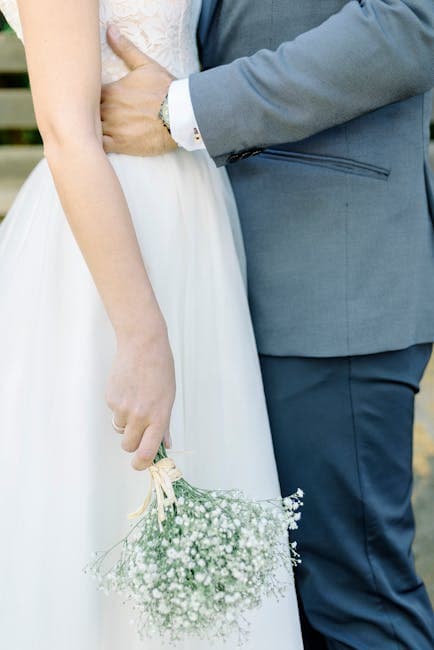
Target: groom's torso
242,27
339,239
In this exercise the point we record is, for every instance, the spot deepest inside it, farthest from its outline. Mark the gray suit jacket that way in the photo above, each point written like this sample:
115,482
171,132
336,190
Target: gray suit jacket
323,107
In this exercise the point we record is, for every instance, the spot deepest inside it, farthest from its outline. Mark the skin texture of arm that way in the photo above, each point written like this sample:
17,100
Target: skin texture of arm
63,56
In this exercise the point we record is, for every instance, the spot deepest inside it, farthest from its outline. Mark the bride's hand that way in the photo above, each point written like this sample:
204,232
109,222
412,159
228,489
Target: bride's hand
141,392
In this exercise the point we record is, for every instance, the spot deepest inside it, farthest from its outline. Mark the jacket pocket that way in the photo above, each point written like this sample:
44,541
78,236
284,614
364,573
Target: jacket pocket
337,163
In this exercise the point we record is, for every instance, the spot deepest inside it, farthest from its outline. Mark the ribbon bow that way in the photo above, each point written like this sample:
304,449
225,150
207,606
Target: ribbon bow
163,474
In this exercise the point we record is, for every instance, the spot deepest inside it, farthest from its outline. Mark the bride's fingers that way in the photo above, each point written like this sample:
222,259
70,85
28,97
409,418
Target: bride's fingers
167,440
133,433
148,448
108,144
119,421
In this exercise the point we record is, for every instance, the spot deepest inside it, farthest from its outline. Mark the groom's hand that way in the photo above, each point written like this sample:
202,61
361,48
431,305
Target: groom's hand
130,107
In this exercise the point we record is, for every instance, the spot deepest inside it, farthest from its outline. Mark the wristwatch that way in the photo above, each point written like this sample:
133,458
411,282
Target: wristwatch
164,113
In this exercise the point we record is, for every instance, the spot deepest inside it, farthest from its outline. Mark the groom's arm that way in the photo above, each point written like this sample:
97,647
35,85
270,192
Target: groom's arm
371,53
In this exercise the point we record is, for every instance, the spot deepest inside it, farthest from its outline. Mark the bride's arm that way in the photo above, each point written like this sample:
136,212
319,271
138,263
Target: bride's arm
64,61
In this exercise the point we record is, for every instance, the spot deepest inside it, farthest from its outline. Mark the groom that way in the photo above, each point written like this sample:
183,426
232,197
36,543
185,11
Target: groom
321,110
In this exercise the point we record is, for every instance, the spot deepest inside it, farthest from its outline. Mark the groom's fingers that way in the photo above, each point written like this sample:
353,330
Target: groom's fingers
109,144
127,51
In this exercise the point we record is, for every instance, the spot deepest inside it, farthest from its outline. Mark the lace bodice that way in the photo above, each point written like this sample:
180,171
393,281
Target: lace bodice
164,29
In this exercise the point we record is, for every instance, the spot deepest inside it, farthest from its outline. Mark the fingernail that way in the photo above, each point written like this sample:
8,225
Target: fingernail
114,32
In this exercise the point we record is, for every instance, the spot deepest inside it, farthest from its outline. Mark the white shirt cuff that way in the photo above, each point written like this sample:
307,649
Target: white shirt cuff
183,124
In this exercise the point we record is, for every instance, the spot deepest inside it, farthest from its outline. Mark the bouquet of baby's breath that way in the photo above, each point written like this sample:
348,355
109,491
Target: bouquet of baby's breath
198,560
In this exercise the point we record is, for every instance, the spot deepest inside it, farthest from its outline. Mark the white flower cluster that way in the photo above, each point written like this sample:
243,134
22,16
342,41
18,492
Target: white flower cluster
218,555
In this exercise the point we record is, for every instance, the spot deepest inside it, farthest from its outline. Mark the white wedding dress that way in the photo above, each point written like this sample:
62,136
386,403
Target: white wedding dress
65,484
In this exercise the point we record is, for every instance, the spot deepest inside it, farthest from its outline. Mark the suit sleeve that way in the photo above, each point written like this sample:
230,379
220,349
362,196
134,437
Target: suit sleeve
369,54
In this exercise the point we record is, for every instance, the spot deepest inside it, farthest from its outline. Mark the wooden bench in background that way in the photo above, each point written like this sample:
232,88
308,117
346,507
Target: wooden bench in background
16,113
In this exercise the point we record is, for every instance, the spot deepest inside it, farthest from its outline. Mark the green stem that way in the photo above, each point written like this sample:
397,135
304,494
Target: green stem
161,453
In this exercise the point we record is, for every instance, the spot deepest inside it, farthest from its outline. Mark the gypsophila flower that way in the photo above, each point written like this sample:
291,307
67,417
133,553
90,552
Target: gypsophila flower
217,556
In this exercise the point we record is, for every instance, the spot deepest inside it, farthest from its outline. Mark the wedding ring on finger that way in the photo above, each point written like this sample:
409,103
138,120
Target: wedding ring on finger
116,427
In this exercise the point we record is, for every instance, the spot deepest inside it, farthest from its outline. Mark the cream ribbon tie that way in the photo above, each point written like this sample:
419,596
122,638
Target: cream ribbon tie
164,474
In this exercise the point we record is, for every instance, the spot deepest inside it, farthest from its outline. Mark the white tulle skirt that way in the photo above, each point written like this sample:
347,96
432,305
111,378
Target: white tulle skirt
65,484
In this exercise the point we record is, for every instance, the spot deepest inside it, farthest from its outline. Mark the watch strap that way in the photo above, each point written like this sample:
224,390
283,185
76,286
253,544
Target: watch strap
164,113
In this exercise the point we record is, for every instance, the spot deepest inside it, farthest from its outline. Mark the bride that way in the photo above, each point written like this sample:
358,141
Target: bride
123,306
